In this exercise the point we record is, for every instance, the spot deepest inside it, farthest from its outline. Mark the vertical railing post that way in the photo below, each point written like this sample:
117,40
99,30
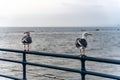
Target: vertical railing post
24,66
83,67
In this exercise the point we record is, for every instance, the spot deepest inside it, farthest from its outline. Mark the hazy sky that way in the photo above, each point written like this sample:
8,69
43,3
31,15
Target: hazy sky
59,12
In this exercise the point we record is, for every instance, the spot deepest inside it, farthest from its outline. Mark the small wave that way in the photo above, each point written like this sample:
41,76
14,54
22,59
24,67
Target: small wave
91,49
52,76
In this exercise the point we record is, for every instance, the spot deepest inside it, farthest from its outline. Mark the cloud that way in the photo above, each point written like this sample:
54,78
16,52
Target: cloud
59,12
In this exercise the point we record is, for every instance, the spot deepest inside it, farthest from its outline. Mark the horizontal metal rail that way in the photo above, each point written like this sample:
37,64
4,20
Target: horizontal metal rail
82,71
64,55
10,77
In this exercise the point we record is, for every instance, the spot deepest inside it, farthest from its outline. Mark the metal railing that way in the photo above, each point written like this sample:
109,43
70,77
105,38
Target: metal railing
83,71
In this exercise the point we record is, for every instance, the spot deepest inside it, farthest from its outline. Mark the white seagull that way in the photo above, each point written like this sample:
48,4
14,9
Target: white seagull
81,43
26,40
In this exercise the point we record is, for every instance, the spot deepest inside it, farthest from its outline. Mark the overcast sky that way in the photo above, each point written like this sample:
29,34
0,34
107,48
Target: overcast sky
59,12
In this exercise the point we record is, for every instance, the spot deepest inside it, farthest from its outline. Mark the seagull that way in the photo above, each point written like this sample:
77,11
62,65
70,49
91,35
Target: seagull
26,40
81,43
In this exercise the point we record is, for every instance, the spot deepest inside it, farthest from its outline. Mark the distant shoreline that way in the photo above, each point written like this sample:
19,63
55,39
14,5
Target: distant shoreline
59,29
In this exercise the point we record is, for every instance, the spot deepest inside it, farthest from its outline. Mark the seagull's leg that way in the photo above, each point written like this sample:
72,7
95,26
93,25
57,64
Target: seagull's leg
27,47
80,51
24,48
83,51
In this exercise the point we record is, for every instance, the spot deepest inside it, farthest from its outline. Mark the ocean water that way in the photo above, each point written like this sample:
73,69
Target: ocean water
105,43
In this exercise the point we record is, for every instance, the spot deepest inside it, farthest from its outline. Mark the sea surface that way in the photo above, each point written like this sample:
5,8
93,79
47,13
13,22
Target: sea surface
104,43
